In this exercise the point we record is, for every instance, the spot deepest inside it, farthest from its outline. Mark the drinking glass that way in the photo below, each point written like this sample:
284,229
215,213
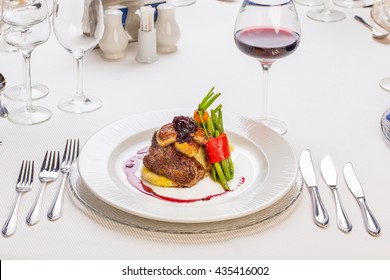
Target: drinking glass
29,28
78,26
267,30
325,14
18,92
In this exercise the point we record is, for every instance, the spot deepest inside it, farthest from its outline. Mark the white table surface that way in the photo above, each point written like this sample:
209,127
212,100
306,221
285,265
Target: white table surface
327,92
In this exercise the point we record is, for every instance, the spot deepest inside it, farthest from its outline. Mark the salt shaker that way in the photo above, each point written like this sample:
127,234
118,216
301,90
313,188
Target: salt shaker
147,44
114,40
168,32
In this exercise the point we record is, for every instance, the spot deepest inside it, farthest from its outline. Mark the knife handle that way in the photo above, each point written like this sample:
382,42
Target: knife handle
343,222
371,223
321,217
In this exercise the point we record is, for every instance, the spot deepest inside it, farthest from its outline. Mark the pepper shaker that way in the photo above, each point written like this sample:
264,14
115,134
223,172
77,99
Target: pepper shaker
114,40
168,32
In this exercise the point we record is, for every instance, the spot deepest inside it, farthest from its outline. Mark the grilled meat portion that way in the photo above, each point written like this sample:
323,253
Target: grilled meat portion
168,162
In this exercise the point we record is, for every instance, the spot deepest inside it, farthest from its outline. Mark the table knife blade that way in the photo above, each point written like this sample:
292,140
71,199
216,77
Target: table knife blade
356,189
320,214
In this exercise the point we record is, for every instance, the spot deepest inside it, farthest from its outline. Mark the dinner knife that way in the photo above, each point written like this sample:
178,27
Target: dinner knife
356,189
320,215
329,174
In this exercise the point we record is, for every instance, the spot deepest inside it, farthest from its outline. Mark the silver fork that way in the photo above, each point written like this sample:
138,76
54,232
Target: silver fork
69,157
24,184
50,170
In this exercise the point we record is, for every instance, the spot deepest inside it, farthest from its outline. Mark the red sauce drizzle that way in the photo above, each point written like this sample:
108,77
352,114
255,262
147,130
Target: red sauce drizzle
133,164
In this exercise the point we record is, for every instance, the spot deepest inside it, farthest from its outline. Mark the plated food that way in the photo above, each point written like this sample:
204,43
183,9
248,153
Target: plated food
265,168
187,149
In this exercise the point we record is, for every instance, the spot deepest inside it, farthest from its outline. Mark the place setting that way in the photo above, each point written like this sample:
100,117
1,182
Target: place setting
186,145
116,183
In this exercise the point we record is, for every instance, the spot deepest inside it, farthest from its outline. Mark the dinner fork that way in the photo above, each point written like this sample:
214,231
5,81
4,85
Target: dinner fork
49,173
24,184
69,157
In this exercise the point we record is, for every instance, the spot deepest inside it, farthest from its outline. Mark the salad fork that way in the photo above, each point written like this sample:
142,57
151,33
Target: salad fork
69,157
24,184
49,172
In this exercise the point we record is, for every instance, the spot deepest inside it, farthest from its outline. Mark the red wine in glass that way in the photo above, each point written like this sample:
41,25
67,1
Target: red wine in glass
267,30
266,43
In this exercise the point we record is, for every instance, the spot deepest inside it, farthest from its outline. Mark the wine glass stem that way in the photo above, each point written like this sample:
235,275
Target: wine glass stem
27,67
80,85
24,76
264,98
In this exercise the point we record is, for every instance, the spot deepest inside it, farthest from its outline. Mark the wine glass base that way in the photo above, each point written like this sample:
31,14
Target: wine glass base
325,16
349,3
385,83
310,3
18,92
36,115
77,104
276,125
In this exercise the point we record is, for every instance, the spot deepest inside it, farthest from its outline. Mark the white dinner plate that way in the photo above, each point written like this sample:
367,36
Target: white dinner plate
265,169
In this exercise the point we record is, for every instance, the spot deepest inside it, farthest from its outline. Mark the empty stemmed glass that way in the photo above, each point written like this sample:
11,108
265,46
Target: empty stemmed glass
267,30
29,28
18,92
78,26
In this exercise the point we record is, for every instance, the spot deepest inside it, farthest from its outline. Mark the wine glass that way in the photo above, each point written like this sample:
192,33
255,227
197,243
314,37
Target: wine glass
78,26
29,28
325,14
18,92
267,30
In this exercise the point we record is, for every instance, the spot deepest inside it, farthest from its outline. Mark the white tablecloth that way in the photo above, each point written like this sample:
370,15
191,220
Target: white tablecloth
327,92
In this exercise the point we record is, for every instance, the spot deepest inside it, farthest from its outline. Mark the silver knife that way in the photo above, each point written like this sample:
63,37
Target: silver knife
320,215
356,189
328,172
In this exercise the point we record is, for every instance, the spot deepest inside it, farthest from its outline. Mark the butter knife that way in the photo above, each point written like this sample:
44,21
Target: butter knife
320,215
329,174
356,189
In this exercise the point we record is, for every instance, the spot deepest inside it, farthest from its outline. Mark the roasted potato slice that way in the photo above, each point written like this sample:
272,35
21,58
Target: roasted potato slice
156,179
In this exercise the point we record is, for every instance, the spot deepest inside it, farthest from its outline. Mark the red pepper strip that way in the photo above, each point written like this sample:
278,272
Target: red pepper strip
217,148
